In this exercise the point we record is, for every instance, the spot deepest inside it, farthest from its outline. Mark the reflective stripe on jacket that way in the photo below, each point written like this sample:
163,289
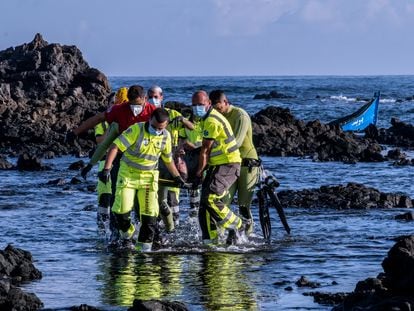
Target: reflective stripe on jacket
141,149
225,149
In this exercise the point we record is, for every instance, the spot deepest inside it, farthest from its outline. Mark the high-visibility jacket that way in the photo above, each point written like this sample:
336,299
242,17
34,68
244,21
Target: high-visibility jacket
174,126
225,149
241,125
194,136
100,128
141,149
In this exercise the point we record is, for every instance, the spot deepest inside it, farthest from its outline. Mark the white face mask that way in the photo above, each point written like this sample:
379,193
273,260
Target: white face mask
155,101
136,109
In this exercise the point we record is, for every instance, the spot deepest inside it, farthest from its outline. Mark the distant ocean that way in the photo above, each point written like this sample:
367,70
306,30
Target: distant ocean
335,248
312,97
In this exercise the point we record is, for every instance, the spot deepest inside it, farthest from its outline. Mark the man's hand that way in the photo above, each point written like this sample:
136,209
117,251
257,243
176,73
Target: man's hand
69,137
85,170
104,175
180,181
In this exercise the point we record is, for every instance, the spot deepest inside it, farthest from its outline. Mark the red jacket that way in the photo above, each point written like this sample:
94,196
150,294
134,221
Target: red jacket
122,114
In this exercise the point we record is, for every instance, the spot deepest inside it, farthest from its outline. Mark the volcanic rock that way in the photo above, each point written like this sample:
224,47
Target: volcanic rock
351,196
16,265
276,132
45,90
399,134
391,290
161,305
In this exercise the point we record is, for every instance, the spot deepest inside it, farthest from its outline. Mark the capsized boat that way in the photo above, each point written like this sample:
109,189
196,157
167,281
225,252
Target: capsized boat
362,118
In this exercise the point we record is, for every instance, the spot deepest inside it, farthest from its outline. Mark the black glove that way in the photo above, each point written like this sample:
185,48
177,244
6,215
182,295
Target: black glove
69,137
86,170
179,181
104,175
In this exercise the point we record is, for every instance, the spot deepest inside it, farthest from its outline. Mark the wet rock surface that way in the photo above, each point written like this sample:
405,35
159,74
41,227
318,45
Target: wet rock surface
399,134
45,90
350,196
16,266
391,290
149,305
48,89
272,95
278,133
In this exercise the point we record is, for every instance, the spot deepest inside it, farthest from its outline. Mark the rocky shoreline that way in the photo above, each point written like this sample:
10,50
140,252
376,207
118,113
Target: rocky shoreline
16,267
48,89
392,289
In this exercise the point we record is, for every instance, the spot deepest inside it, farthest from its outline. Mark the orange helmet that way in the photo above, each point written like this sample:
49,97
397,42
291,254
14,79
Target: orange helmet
121,95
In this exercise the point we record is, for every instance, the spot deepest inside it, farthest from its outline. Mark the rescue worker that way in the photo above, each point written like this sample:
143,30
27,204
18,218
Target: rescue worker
219,150
249,172
105,190
141,144
190,146
168,197
120,117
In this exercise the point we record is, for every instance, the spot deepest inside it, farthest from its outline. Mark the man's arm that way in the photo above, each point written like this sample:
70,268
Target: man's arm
206,147
89,123
113,151
172,169
111,134
240,129
187,123
105,175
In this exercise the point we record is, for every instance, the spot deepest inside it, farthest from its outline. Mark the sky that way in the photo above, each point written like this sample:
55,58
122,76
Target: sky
222,37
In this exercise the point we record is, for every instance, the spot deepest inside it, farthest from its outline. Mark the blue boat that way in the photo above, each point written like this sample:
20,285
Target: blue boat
362,118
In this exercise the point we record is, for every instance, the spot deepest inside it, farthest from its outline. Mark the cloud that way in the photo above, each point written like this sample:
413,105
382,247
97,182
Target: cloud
317,11
249,17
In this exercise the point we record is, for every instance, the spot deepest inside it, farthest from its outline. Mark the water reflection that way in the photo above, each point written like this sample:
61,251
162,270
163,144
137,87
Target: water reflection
225,283
127,276
219,280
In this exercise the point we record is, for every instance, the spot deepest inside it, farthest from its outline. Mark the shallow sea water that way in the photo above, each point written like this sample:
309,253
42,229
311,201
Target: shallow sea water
57,224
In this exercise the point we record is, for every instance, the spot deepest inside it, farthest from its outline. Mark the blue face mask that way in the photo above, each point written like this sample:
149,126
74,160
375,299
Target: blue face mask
153,131
199,111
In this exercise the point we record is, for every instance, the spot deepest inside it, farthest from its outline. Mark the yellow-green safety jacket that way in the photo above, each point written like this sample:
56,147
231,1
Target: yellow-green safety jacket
141,149
225,149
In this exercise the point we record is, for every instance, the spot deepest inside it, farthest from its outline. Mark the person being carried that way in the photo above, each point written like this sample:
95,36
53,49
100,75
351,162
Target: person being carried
168,197
220,152
190,145
249,172
142,144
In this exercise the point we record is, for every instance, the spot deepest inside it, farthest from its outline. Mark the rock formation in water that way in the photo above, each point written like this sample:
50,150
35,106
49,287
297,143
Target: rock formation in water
16,266
400,134
351,196
46,89
391,290
278,133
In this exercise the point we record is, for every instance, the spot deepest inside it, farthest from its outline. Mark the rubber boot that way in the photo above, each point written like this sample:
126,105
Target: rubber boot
167,216
247,219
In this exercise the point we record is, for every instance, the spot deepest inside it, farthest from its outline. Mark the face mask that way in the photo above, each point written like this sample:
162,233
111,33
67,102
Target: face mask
199,111
155,101
136,109
153,131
